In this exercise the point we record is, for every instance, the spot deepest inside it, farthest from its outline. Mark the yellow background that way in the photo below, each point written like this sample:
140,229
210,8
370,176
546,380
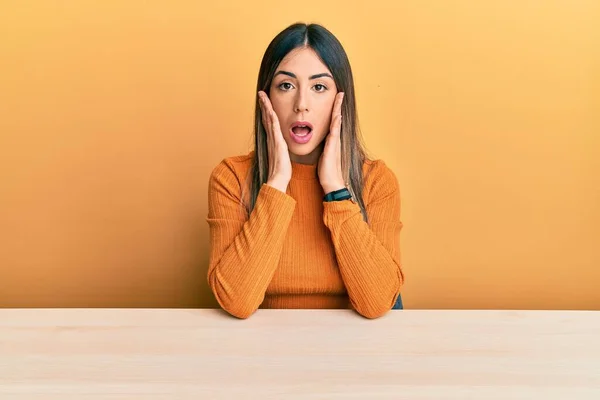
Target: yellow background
113,114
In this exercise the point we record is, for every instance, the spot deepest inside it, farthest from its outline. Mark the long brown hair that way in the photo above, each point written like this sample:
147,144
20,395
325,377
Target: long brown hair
332,54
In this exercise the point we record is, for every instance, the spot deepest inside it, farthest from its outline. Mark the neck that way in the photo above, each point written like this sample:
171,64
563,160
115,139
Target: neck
310,158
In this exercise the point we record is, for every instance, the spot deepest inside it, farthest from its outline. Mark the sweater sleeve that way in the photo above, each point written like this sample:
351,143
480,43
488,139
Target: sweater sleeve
244,250
368,255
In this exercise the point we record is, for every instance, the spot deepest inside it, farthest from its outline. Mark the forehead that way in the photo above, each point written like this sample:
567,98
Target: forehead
303,61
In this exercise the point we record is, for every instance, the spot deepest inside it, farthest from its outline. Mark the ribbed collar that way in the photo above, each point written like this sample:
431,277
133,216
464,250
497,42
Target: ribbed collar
304,172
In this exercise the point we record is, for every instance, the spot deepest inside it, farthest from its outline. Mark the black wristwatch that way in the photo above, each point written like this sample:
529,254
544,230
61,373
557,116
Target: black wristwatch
338,195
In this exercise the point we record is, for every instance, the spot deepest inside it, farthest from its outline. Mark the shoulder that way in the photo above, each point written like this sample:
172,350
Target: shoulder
237,164
232,171
379,179
377,172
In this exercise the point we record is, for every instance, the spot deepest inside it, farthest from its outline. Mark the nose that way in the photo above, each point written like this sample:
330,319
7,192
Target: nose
300,104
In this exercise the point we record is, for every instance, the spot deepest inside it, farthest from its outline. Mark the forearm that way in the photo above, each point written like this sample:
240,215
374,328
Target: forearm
371,273
239,277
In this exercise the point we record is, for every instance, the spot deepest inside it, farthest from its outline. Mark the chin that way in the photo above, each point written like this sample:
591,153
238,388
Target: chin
304,149
301,150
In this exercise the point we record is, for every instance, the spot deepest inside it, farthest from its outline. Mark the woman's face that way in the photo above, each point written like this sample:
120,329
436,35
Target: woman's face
302,93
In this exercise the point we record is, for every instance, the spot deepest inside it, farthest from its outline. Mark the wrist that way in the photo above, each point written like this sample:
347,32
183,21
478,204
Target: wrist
332,188
338,195
280,185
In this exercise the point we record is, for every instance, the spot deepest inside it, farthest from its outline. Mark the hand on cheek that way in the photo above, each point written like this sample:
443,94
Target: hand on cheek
330,162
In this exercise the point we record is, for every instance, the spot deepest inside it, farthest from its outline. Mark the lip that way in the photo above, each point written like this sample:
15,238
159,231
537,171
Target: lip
302,123
301,139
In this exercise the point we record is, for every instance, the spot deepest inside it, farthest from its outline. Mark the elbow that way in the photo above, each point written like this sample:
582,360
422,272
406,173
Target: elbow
236,307
372,310
373,313
233,304
376,309
240,312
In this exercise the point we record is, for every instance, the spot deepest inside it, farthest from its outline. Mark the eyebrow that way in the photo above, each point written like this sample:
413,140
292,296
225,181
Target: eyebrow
291,74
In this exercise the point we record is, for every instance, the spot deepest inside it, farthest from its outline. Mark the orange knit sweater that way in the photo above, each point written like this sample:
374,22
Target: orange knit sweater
297,251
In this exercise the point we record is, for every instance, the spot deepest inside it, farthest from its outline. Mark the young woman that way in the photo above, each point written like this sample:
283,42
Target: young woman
305,220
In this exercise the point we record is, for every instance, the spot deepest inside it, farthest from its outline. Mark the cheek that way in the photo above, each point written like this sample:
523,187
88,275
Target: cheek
280,107
325,116
328,106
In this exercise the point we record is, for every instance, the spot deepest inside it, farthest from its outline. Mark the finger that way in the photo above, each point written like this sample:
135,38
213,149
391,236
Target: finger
278,135
337,105
272,120
329,144
271,116
263,116
336,115
266,117
267,102
336,126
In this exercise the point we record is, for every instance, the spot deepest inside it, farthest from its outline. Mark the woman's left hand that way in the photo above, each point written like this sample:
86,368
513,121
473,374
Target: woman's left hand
330,162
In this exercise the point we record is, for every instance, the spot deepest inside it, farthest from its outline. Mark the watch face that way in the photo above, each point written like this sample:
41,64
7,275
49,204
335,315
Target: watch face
342,194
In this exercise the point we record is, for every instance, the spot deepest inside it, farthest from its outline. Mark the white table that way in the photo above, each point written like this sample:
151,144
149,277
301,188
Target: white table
296,354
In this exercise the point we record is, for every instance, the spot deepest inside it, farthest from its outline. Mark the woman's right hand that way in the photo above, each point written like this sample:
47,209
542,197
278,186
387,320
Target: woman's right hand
280,166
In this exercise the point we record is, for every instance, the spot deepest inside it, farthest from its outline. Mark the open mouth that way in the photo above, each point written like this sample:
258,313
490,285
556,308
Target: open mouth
301,131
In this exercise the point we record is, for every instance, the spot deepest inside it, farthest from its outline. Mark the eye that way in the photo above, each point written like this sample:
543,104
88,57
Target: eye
285,86
320,88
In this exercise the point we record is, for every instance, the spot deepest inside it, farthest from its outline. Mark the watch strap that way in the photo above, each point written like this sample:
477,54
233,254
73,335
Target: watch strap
338,195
